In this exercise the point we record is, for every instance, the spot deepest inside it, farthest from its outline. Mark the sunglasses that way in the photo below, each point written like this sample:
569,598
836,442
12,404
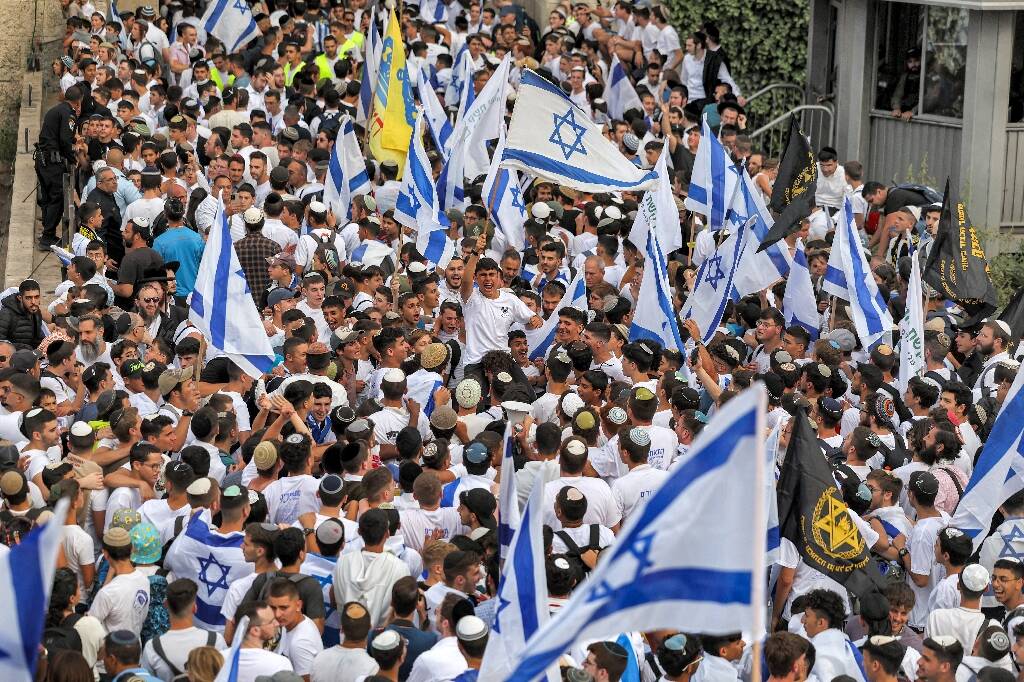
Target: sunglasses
154,299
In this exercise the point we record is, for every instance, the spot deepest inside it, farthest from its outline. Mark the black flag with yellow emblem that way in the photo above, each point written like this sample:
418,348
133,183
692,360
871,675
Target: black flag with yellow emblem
813,516
793,192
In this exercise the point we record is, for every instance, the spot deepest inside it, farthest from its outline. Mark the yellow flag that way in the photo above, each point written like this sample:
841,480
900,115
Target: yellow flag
393,105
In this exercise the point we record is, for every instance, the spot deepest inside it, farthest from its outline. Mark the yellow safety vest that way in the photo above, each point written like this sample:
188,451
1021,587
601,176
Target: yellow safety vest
289,72
324,66
355,40
218,79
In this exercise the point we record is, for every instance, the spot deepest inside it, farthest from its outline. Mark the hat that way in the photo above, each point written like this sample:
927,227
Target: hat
924,482
387,640
279,174
345,288
67,61
631,142
279,294
147,545
330,532
252,215
886,645
132,367
730,104
475,453
443,418
936,324
974,577
264,455
317,207
479,501
831,407
945,643
282,258
434,355
200,486
170,378
81,429
686,646
584,419
617,415
117,537
342,336
147,12
467,393
913,211
126,518
12,483
331,484
844,337
24,360
470,629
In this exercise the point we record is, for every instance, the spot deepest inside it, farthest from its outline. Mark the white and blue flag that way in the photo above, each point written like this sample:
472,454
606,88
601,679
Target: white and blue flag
712,183
26,578
655,316
849,277
759,269
231,22
644,582
508,495
912,362
437,120
346,171
221,287
620,94
542,338
213,561
114,16
417,206
714,284
550,136
999,472
504,197
799,304
453,93
364,105
433,11
522,591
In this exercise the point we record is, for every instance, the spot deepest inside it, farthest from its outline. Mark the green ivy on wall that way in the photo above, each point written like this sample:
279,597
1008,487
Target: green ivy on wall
766,40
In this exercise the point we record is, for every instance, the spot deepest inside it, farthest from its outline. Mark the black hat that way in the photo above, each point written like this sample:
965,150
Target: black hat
481,502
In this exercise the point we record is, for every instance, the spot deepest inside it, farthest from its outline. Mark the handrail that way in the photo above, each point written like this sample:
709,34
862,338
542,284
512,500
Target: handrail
775,86
795,110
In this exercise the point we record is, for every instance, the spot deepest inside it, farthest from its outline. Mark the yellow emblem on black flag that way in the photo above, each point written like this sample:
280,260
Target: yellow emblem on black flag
833,529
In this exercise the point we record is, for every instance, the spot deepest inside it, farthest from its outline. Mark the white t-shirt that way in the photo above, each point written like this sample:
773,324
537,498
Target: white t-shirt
806,578
922,562
663,446
581,536
291,496
176,645
236,592
631,489
419,524
355,663
301,645
601,507
961,622
79,550
123,603
255,662
488,322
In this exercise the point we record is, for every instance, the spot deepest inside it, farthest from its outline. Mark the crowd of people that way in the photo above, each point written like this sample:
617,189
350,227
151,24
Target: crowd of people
336,519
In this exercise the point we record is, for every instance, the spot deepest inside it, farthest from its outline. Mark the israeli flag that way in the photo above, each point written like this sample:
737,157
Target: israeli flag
231,22
712,183
371,253
212,561
503,196
849,277
434,11
322,569
655,317
759,269
437,120
483,120
522,591
713,285
620,95
999,472
221,287
912,361
644,582
508,497
364,105
420,386
114,16
459,68
542,338
346,171
26,578
417,205
553,138
799,304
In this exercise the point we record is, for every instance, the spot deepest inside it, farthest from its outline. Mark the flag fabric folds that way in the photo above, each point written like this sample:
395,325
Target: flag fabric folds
230,21
797,181
213,561
655,316
364,105
713,285
503,196
620,95
522,590
553,138
644,582
437,120
912,361
221,287
542,338
956,266
849,277
508,496
813,516
999,471
712,181
26,578
759,269
114,15
346,171
393,105
799,304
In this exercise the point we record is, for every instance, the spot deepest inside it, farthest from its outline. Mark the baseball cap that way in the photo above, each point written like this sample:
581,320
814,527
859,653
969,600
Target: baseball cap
132,367
24,360
479,501
844,338
172,377
342,336
279,294
282,258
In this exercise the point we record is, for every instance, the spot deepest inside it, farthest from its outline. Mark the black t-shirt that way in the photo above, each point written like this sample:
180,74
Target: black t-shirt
135,266
899,197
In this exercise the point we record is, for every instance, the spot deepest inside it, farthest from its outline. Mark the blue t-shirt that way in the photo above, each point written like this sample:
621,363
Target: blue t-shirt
183,245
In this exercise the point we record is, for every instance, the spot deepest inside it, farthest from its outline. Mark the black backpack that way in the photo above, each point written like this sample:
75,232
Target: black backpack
327,252
575,552
176,674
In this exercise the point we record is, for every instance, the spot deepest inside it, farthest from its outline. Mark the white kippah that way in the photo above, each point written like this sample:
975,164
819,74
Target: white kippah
80,429
200,486
394,376
575,447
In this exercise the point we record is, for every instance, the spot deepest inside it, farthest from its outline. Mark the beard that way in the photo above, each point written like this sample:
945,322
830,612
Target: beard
146,317
90,350
986,350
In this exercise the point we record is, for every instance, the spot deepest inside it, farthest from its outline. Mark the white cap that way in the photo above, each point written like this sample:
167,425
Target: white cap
317,207
540,210
394,376
471,628
200,486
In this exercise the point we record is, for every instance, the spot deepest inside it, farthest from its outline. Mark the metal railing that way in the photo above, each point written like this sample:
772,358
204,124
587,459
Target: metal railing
771,100
816,120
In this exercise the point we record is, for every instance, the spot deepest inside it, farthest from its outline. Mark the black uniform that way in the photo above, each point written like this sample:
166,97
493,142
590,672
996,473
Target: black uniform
54,152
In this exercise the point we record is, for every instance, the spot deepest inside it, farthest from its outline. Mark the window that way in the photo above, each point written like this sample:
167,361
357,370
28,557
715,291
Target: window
912,80
1015,113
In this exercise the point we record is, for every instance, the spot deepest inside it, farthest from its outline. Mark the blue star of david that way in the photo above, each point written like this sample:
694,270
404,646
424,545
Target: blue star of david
517,200
241,273
502,605
714,274
324,580
568,148
204,569
415,202
640,548
1008,550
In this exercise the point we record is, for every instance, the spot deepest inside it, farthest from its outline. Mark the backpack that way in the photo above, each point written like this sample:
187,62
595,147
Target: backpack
176,674
147,51
932,195
327,252
261,585
575,552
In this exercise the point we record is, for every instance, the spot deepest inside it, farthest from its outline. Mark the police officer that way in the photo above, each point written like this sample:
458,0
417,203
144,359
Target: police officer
54,153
